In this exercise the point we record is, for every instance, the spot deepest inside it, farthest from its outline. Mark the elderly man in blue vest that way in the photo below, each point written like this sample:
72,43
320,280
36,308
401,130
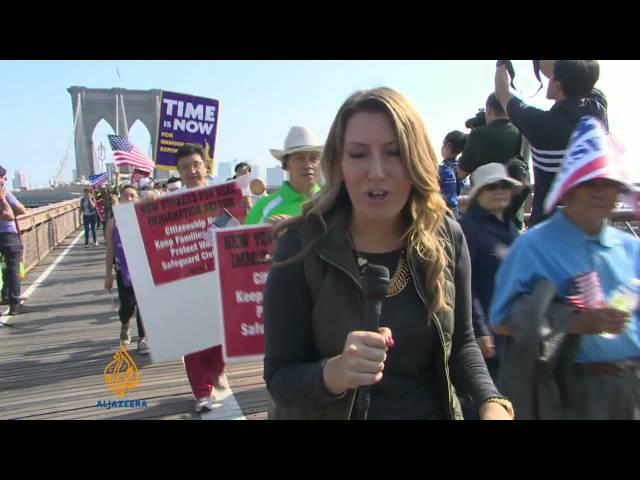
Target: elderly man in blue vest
594,270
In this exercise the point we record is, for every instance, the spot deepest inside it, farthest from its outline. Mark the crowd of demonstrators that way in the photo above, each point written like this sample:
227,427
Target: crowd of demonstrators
10,247
509,316
450,185
497,140
494,155
573,352
300,159
116,258
571,86
205,369
476,313
381,204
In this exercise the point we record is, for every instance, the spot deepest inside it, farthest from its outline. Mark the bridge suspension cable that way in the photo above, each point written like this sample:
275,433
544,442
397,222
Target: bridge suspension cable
65,159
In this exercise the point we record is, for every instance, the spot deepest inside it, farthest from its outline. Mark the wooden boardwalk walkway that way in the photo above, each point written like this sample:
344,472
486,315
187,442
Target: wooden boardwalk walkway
52,359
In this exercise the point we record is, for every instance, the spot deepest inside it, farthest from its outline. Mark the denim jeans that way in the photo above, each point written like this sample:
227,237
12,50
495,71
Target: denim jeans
89,221
11,250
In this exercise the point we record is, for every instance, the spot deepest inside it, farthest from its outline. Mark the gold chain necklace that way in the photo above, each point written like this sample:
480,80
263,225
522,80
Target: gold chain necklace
400,277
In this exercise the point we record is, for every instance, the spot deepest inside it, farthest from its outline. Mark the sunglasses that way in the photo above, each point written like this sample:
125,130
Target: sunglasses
502,185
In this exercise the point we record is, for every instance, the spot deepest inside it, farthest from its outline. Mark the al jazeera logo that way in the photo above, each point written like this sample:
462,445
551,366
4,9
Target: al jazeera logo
120,376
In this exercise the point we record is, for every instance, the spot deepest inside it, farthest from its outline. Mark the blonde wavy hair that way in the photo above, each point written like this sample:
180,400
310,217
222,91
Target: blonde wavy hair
425,209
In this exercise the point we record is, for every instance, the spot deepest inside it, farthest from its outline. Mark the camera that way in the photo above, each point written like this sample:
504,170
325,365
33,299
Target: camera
477,121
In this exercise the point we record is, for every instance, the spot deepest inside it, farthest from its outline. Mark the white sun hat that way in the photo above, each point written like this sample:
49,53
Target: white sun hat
299,139
489,174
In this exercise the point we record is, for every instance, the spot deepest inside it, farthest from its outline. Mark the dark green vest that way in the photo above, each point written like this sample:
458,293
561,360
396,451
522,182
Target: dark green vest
333,278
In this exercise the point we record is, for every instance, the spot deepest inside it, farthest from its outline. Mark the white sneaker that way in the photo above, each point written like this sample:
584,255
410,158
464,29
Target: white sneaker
143,348
125,336
204,403
96,244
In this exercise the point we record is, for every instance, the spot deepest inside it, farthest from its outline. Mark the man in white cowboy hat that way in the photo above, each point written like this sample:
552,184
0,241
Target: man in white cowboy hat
594,268
300,159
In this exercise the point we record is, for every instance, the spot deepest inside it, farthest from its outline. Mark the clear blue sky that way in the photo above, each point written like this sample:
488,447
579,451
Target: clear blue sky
260,100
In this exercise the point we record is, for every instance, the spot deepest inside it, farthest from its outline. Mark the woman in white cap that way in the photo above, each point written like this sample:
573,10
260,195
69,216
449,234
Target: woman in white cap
489,231
300,159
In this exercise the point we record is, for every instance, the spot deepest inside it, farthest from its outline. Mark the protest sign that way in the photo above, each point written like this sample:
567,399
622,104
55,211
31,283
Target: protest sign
173,227
186,119
172,268
243,261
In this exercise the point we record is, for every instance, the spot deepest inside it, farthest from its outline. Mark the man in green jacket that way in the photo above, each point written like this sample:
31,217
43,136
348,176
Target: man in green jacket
497,142
301,159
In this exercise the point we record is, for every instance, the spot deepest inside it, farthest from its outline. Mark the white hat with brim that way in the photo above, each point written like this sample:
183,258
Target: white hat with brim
299,139
489,174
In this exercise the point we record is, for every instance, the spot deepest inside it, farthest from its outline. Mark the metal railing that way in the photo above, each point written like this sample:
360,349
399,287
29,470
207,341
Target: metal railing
624,219
45,227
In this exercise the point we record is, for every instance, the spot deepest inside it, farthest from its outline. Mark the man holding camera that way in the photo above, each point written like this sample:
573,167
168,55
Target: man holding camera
493,139
571,85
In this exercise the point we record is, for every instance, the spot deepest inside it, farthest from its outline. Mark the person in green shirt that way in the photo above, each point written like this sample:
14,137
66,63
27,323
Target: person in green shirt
301,160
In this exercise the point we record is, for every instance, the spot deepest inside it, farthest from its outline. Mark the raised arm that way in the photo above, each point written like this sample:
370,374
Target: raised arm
502,86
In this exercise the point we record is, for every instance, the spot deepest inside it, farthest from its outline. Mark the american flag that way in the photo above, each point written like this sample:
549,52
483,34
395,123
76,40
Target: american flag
125,153
584,291
99,179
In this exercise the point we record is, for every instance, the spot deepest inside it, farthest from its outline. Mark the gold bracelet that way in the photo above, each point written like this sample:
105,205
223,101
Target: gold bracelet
504,403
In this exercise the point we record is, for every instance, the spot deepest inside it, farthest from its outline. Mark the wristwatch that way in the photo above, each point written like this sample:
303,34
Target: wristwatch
504,403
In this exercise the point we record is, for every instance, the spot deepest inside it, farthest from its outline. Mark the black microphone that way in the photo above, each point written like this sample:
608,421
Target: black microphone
375,282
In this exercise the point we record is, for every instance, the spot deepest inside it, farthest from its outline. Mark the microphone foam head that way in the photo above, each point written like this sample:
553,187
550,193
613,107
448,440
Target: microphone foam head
375,281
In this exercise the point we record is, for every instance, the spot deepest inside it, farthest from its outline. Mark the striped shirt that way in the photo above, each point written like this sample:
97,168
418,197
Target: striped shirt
548,133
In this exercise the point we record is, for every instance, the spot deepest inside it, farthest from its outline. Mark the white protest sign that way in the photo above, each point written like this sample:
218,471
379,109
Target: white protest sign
172,267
